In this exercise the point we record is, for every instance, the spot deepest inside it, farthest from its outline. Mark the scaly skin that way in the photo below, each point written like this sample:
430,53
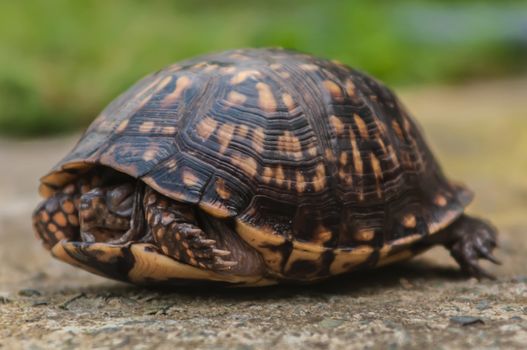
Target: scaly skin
472,239
117,214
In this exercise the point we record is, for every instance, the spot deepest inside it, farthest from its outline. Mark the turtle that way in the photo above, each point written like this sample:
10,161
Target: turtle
252,167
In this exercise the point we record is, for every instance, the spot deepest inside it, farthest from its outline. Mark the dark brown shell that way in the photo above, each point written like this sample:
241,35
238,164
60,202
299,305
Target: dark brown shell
300,148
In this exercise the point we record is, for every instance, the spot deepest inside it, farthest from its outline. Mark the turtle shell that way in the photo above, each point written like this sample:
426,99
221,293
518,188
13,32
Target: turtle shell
314,161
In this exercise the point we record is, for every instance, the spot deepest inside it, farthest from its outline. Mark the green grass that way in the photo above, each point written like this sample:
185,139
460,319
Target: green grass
61,61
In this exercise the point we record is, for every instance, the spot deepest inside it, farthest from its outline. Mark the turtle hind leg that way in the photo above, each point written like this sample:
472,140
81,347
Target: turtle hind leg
176,231
470,239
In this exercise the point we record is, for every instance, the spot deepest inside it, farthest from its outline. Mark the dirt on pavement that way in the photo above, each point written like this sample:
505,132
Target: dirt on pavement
479,133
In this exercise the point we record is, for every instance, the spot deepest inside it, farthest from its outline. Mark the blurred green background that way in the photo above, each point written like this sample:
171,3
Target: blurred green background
62,61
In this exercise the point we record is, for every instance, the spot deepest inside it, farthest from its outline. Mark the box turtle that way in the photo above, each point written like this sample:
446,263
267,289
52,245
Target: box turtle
252,167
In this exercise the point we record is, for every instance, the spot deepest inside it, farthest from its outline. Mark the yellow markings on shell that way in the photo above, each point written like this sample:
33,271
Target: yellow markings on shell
322,235
242,131
235,98
66,250
171,165
267,174
393,155
319,180
309,67
343,158
377,171
346,177
440,200
247,164
262,239
409,221
337,124
240,77
350,87
300,182
146,127
407,125
346,260
357,159
380,141
329,154
168,130
122,126
228,70
398,131
163,83
182,83
199,65
361,125
149,154
279,175
206,127
284,74
238,56
364,234
222,190
266,99
278,68
216,209
288,101
189,178
399,256
404,241
225,134
210,67
300,254
142,97
290,144
312,151
333,89
258,139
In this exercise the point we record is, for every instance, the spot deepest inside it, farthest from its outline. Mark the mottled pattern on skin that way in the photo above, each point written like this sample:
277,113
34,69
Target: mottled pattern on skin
322,156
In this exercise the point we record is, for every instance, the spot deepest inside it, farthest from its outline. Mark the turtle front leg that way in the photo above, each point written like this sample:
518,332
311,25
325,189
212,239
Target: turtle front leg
175,230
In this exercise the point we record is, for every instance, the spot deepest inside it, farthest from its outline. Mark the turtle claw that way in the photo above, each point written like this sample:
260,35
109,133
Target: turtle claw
221,252
473,240
209,242
220,264
487,254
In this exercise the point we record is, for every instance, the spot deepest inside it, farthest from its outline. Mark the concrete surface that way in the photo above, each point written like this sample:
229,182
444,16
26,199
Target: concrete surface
479,132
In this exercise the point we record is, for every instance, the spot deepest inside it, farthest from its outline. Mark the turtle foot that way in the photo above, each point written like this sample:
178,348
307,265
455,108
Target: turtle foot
474,239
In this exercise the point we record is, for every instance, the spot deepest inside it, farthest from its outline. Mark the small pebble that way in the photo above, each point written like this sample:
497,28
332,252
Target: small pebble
330,323
466,320
28,292
40,303
483,305
405,283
